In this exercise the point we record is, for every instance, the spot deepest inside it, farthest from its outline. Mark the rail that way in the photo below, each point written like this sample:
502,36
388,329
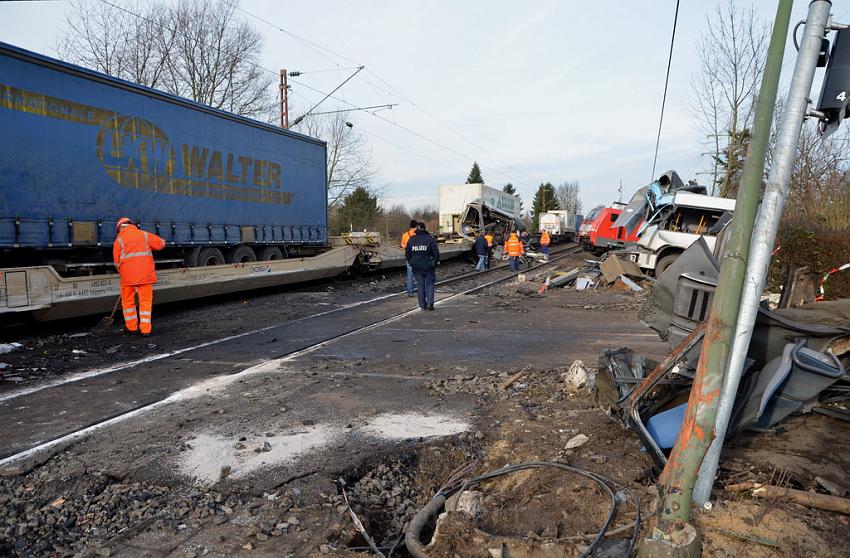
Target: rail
192,390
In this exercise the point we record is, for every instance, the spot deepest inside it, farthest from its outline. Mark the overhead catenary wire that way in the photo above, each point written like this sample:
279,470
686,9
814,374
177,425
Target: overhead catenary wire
401,127
324,52
664,97
316,47
325,98
274,73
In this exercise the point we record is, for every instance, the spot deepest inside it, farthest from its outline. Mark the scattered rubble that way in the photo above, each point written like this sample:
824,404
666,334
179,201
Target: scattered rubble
92,510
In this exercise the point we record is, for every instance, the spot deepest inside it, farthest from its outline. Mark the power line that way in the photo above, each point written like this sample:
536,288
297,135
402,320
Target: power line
664,98
327,95
321,50
373,107
325,98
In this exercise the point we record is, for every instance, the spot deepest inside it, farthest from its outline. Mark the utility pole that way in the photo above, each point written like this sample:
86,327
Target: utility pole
620,192
673,536
773,201
284,100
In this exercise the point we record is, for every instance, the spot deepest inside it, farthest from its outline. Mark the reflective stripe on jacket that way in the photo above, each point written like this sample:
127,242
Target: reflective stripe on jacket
133,255
514,246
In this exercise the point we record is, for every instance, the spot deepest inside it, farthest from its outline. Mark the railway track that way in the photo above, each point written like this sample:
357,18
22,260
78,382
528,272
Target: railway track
55,413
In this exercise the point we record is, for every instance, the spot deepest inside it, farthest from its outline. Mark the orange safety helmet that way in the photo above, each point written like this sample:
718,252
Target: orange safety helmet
121,222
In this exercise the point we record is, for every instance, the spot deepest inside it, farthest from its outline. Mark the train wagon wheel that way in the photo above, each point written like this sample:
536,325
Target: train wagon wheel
270,253
210,256
241,254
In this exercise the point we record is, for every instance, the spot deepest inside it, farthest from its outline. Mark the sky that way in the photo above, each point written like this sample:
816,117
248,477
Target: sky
534,92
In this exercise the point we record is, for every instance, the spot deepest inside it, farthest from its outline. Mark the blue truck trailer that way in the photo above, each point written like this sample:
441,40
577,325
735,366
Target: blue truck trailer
80,149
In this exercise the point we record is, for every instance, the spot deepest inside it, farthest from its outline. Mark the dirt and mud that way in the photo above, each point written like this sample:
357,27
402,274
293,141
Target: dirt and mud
261,463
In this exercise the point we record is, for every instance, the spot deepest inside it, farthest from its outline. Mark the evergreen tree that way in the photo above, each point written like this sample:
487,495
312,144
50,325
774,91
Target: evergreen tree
509,188
359,211
475,175
545,199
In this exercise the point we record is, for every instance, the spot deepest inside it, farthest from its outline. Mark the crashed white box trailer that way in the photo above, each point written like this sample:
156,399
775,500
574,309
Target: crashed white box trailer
452,200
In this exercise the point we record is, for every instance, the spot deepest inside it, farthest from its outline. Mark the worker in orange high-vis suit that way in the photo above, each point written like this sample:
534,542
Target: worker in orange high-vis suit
133,256
405,238
545,240
514,249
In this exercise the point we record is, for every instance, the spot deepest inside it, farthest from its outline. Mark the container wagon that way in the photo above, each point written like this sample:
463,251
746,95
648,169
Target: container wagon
81,149
559,223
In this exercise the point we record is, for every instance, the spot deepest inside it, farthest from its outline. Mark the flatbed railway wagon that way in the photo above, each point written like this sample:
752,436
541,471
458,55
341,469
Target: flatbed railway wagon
240,203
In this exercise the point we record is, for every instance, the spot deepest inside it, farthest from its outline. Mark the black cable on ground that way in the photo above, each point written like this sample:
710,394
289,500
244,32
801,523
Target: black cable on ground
415,547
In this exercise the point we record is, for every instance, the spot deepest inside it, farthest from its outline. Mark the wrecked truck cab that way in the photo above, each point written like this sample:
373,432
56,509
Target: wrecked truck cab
673,228
478,218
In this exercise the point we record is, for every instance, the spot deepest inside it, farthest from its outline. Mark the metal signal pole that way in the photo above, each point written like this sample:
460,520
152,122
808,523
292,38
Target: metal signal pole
764,236
673,535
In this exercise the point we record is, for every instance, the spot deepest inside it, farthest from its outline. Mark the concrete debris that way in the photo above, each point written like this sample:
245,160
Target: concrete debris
613,267
470,502
577,441
9,347
575,378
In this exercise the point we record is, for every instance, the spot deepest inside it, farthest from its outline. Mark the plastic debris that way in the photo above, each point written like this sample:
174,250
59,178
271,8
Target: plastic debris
583,283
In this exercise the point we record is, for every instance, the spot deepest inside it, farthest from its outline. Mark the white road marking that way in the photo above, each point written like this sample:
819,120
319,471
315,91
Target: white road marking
204,387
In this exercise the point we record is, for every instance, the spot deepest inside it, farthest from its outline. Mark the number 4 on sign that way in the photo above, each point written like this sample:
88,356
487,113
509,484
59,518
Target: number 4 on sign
842,96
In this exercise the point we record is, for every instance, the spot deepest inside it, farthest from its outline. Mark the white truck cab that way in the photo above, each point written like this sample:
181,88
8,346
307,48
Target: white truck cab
678,225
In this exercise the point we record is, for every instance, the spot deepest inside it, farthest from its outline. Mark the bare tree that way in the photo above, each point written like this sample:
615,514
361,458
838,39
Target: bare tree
568,196
351,163
820,180
732,51
193,48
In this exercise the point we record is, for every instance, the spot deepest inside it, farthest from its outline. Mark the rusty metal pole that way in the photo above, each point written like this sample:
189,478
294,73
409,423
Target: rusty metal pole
284,100
673,536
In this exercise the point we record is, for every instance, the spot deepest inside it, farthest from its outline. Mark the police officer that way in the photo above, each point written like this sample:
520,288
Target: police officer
423,256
